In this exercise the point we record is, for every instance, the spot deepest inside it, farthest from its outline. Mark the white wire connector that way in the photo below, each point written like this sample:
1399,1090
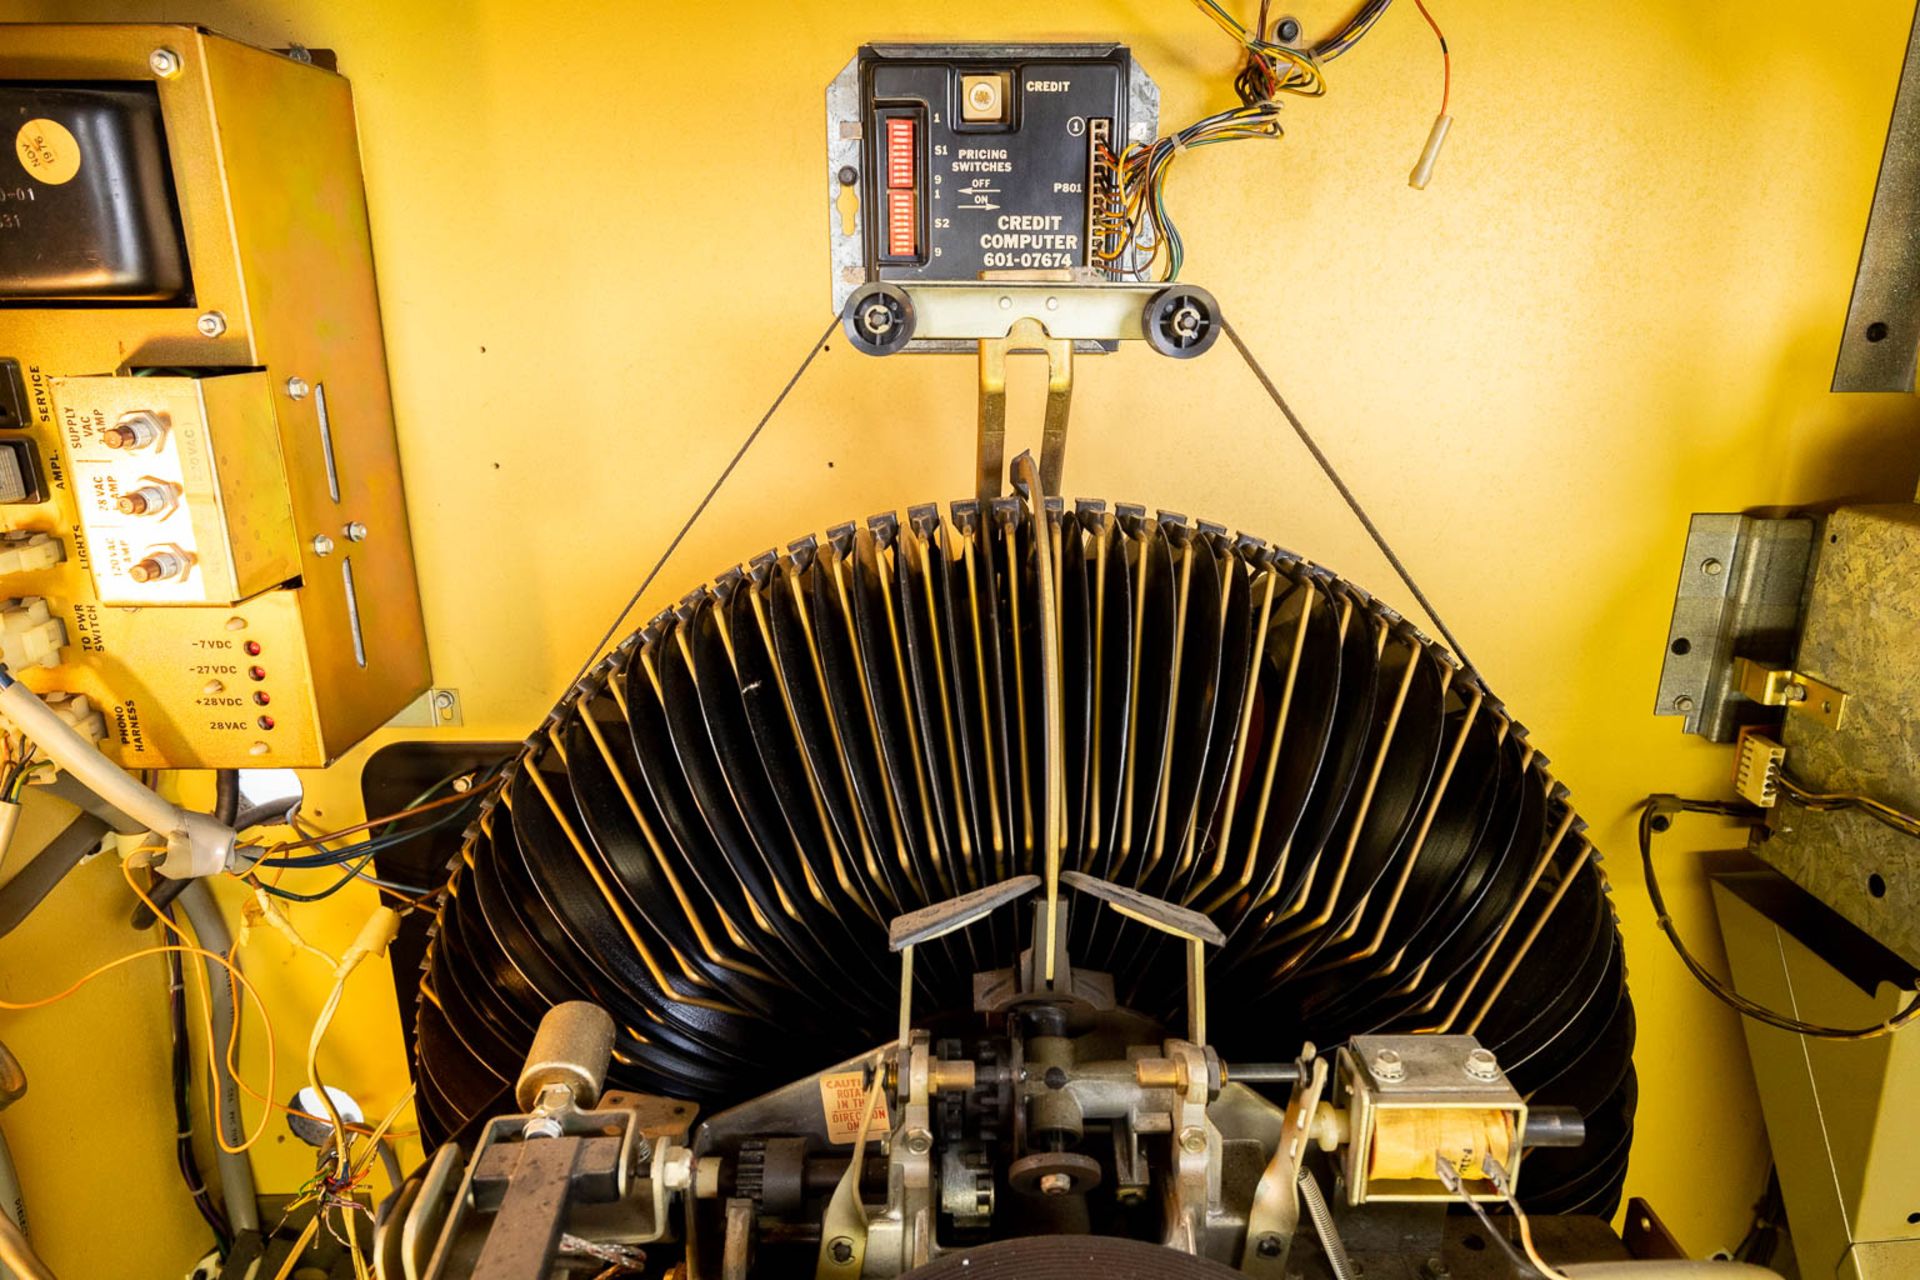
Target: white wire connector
1436,137
9,821
197,843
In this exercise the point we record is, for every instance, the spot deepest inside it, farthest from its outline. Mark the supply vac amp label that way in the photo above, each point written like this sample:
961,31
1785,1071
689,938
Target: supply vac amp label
979,167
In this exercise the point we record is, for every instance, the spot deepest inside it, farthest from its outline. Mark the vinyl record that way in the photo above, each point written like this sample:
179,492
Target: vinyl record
710,833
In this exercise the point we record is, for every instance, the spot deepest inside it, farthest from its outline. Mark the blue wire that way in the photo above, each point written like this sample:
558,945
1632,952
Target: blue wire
353,873
363,853
328,857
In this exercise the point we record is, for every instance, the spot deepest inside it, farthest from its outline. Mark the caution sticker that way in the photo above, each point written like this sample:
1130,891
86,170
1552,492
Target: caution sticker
843,1101
48,151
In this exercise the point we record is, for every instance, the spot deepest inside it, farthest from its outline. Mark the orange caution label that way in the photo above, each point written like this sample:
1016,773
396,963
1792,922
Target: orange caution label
843,1101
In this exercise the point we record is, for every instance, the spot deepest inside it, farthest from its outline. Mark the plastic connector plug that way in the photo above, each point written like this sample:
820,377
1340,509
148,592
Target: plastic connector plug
29,634
24,552
1756,768
1430,154
376,935
77,710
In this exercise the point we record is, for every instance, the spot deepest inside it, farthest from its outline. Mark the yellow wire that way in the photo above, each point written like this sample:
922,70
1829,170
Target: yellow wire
341,1161
206,1011
299,1247
185,950
1526,1242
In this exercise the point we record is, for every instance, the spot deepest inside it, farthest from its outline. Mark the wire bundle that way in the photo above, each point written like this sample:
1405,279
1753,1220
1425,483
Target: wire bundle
1835,802
1655,816
315,850
19,762
1134,234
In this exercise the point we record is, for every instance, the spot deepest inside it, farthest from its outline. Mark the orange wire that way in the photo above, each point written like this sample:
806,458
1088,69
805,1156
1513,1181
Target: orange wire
1446,57
235,980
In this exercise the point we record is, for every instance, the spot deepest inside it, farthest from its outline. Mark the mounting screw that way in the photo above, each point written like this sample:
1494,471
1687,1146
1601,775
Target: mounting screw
1193,1139
1683,703
164,62
848,175
841,1249
322,545
211,324
919,1141
1482,1065
1055,1184
1269,1247
1386,1065
356,532
1053,304
297,388
1006,303
1711,567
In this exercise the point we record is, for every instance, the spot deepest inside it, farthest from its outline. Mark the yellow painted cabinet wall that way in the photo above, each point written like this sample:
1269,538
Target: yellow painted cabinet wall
599,229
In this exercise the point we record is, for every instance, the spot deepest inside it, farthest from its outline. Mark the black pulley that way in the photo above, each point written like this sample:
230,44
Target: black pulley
1181,321
878,319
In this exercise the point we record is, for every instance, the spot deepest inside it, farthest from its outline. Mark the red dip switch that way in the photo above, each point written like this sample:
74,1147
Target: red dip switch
900,154
901,224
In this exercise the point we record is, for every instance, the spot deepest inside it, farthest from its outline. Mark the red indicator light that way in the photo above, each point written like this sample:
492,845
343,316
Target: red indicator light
253,648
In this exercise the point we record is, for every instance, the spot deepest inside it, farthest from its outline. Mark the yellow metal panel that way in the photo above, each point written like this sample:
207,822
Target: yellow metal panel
599,236
284,332
1839,1114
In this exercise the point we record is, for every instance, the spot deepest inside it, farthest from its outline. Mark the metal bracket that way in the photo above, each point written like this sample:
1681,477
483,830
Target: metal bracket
1192,928
1275,1213
1739,596
1794,690
1027,336
1882,335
